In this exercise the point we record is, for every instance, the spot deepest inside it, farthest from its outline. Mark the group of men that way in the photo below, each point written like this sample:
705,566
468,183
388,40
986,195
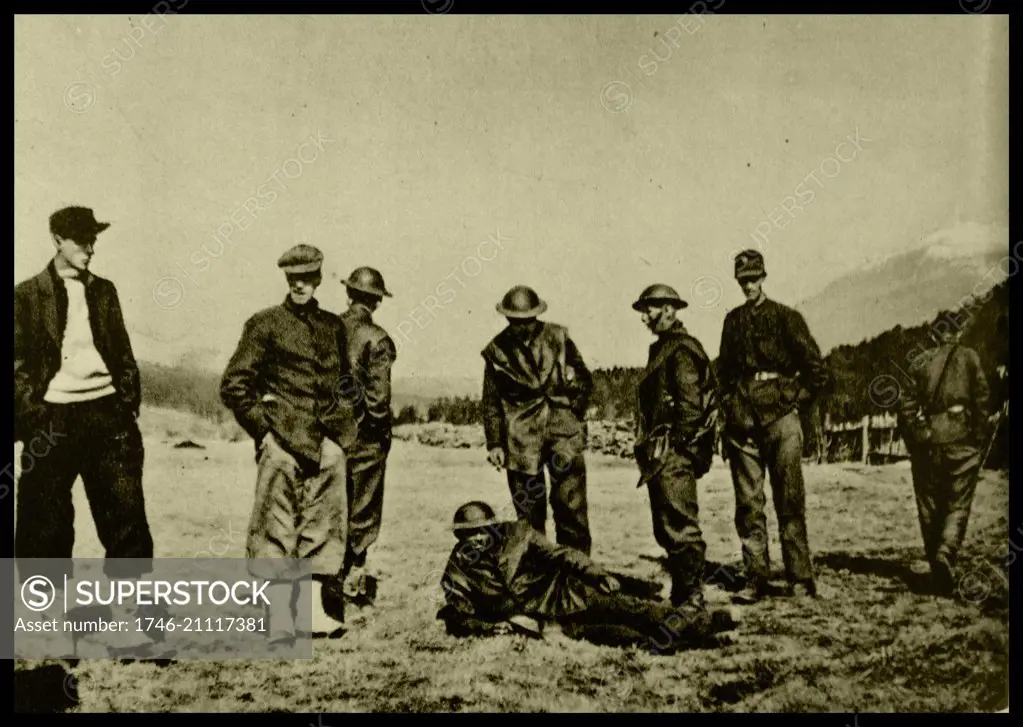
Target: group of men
770,369
313,390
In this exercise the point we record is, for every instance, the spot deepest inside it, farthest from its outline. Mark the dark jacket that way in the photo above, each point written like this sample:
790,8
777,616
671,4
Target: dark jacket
769,337
40,316
533,392
677,398
521,574
370,355
283,377
964,385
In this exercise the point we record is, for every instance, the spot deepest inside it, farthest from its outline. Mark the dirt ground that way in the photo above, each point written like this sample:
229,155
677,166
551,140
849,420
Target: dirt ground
874,642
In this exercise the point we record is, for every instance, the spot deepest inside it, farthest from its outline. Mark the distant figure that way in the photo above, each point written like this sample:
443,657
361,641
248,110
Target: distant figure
280,384
944,417
676,427
769,367
536,390
76,404
506,577
371,354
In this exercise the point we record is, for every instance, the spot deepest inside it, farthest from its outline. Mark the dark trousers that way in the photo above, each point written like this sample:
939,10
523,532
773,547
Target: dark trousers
99,442
676,518
776,450
367,461
566,468
655,622
945,481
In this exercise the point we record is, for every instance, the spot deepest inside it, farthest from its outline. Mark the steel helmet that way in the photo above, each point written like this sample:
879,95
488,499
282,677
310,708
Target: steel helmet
659,294
521,302
472,515
367,280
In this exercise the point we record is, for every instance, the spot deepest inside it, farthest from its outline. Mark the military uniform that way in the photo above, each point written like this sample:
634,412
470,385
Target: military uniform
944,416
675,432
519,573
535,396
371,353
769,366
280,384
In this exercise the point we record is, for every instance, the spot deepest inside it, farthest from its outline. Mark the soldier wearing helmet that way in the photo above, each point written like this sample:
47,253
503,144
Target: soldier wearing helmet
536,389
675,436
371,353
506,577
768,367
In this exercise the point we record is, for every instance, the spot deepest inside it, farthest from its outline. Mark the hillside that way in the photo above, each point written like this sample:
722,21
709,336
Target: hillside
906,289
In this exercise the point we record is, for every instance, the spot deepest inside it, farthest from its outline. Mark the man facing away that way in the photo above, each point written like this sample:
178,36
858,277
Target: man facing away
769,366
281,384
76,398
504,576
944,415
370,353
676,427
536,390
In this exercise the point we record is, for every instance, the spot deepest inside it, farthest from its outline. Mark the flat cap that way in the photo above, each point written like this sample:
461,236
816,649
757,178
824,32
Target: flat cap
301,259
72,222
749,264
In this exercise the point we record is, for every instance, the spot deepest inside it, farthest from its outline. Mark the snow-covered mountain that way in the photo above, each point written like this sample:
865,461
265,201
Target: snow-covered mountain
910,287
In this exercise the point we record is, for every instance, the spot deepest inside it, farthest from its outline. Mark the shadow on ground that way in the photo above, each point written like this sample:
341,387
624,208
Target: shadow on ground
45,690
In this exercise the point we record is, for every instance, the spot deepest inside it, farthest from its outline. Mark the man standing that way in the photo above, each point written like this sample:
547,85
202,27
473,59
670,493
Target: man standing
944,415
280,385
675,433
76,401
769,366
536,390
370,354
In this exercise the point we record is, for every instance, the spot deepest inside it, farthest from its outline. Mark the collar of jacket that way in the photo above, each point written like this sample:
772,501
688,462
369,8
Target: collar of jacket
57,279
360,312
759,306
301,311
677,330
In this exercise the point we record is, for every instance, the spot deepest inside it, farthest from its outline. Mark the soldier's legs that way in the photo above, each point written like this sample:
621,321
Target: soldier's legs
112,456
529,495
367,463
927,500
744,459
783,445
676,519
566,464
959,465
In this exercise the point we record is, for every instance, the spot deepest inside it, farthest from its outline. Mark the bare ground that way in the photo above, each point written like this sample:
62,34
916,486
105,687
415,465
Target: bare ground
875,642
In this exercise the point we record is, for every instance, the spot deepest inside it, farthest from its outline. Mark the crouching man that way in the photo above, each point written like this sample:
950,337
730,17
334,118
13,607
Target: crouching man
506,577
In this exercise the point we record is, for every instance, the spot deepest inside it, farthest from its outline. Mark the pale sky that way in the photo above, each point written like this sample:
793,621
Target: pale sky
439,132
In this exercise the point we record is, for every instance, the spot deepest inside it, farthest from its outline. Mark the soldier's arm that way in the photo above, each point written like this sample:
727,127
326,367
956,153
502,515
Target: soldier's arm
239,385
980,392
122,344
377,387
811,364
582,387
726,364
493,414
560,556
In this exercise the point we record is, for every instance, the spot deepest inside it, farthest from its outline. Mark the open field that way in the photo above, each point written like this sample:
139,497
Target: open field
875,641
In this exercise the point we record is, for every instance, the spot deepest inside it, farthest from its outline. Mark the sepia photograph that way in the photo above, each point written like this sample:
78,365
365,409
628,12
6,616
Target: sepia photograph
451,362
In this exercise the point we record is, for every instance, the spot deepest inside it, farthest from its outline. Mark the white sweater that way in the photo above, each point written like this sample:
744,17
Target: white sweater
83,376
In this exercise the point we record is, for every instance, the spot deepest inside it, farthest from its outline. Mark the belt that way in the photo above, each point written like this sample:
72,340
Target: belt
765,376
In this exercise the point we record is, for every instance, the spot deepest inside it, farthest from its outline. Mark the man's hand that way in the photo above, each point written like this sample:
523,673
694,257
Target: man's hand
609,584
496,457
